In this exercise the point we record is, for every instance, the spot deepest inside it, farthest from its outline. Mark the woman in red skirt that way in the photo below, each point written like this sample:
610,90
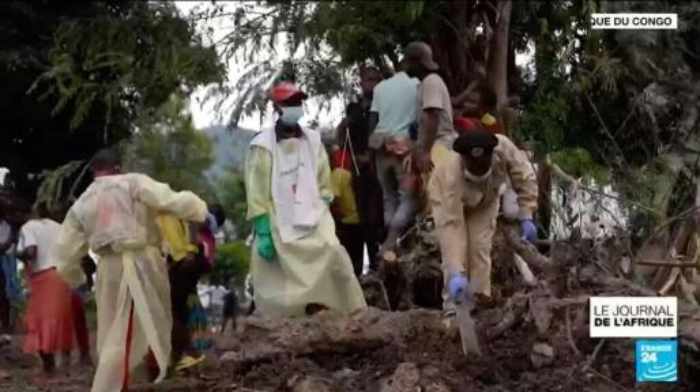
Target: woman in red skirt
49,318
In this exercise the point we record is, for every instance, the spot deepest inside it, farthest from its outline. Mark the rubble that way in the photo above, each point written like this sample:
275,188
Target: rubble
534,337
542,355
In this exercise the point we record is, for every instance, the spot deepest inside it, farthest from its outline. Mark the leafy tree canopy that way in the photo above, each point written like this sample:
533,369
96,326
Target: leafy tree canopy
168,148
78,75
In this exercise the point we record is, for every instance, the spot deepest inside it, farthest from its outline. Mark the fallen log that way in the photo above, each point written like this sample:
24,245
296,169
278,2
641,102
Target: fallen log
667,264
525,250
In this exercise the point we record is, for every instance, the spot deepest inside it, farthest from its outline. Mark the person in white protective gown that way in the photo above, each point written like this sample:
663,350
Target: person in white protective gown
298,265
115,218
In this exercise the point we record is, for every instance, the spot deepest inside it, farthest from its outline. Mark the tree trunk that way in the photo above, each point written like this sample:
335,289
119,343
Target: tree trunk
498,56
450,47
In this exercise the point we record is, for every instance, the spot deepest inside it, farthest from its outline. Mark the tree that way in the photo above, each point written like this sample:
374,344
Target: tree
230,190
232,261
170,149
77,76
327,39
615,104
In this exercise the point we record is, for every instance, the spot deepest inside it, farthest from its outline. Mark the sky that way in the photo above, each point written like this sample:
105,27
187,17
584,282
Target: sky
205,115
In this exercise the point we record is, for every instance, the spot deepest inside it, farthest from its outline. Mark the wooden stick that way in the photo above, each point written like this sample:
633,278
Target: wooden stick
569,335
525,270
595,353
667,264
670,281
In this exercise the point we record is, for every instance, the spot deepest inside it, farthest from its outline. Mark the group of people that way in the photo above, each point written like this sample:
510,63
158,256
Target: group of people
151,244
398,146
402,150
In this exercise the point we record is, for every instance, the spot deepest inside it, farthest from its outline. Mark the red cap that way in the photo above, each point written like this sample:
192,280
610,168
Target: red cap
465,124
284,91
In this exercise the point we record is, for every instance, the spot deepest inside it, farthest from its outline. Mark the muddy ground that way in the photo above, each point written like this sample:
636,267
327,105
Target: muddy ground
534,338
381,351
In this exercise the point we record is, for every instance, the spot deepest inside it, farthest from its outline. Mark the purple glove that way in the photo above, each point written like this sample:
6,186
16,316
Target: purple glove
529,230
457,286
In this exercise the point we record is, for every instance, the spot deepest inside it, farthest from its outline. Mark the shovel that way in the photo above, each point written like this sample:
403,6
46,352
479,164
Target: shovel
467,328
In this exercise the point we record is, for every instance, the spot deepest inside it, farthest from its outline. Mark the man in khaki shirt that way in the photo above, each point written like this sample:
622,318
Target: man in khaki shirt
464,193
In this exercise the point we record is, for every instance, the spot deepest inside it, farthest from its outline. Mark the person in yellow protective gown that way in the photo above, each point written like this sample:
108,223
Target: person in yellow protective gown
116,219
298,264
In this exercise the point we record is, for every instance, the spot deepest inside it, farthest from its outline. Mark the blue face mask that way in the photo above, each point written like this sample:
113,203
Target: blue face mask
291,114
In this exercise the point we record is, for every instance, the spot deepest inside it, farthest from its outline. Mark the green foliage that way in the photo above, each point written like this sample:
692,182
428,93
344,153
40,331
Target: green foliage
578,163
168,148
230,191
59,187
77,75
546,121
134,60
232,261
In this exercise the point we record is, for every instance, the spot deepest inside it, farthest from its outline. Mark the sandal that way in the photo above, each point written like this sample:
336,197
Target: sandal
187,362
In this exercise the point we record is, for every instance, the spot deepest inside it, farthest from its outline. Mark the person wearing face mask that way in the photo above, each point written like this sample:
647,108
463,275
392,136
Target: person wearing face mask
465,195
298,266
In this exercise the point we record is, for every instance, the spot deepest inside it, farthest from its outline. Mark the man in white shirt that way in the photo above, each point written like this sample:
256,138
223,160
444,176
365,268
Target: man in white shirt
391,116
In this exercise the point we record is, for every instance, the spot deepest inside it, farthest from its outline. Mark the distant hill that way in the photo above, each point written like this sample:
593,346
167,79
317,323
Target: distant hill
230,146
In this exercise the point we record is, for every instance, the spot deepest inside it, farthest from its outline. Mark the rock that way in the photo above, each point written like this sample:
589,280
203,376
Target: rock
404,379
345,373
313,384
437,387
542,355
542,315
431,371
543,349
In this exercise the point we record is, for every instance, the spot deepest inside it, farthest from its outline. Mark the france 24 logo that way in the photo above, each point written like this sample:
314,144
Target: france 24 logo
656,360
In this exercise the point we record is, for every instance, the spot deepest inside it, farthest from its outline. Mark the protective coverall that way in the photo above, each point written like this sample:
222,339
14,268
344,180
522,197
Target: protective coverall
310,266
465,211
116,219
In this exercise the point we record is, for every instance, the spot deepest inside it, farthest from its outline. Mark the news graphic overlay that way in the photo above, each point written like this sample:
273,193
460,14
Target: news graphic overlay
656,360
630,21
633,317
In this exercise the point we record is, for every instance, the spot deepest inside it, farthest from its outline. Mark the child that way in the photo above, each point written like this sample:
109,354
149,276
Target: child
190,252
49,318
344,208
230,307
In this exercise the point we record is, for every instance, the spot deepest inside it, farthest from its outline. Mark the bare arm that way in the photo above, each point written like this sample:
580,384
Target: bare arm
28,255
428,133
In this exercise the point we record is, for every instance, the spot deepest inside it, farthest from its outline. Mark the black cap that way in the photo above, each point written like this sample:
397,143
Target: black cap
475,143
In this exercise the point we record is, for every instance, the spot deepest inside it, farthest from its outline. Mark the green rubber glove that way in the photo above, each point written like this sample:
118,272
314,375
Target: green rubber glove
264,244
328,200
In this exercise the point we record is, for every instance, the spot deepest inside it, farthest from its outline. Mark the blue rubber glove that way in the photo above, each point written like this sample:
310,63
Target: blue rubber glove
529,230
457,286
264,244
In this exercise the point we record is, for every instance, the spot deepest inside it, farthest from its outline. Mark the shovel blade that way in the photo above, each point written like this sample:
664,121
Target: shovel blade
467,330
